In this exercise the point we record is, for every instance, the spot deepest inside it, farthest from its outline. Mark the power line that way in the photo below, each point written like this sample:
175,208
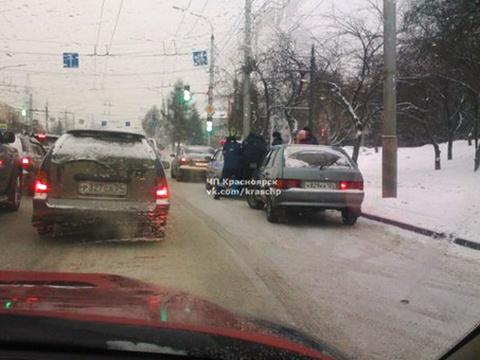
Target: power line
96,45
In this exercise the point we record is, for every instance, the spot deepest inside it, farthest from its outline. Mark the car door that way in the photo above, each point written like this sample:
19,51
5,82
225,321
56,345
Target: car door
266,174
214,169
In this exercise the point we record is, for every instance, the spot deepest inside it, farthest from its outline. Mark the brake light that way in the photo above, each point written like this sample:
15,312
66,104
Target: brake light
184,161
41,136
287,183
25,161
351,185
161,192
41,183
1,163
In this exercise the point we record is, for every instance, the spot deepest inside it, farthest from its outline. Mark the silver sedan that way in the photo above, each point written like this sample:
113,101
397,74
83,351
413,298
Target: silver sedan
298,178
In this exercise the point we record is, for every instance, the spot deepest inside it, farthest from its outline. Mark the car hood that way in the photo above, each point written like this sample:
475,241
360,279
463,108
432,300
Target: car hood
111,299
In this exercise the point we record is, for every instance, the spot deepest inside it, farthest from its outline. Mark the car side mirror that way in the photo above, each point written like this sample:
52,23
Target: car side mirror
166,164
8,137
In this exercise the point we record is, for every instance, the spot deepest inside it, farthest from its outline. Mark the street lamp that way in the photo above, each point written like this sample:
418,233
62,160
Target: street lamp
212,62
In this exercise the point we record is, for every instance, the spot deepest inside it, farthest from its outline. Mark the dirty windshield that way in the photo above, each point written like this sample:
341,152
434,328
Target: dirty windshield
244,177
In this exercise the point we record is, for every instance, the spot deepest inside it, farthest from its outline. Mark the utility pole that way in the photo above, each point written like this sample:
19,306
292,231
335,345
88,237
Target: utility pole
389,137
247,68
312,88
211,82
46,118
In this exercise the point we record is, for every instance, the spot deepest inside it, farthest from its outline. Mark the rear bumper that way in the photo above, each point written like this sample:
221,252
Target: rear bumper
318,199
56,211
193,169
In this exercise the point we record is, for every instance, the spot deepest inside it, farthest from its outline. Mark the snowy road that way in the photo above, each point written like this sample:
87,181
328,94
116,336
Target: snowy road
373,291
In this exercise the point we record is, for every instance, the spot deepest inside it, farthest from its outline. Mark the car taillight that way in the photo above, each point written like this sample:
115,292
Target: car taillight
351,185
1,163
41,136
287,183
41,183
184,161
161,192
25,161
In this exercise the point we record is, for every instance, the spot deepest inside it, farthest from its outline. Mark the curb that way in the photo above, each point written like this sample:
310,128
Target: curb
433,234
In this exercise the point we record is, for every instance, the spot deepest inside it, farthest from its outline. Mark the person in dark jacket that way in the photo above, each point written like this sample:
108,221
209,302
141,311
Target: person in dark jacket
254,149
310,139
231,163
277,138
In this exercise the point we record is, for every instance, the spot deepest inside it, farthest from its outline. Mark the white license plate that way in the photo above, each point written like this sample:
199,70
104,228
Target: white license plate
102,188
320,185
201,164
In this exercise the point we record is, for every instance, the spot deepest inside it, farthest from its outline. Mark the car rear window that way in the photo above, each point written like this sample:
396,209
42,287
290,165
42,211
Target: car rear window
310,156
97,146
199,150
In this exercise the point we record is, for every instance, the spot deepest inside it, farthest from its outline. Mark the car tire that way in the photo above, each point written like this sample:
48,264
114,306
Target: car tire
172,173
14,194
253,203
179,176
208,184
45,231
272,212
349,217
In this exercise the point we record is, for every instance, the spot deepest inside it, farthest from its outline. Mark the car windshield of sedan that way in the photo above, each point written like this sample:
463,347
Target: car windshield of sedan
273,179
199,150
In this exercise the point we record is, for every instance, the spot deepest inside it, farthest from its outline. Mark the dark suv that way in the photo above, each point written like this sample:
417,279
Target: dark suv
10,173
111,178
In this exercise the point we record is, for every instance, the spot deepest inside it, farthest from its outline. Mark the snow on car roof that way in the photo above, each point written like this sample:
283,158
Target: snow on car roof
94,144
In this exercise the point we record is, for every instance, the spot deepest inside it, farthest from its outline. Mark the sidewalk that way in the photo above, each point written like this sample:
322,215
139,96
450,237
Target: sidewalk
442,203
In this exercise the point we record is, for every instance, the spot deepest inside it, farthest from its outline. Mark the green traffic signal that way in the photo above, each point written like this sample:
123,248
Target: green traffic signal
209,125
187,95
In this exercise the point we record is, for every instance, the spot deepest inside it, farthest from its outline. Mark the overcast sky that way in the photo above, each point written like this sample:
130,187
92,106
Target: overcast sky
130,51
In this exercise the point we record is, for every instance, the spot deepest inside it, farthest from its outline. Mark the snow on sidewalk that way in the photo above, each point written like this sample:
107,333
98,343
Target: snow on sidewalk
446,200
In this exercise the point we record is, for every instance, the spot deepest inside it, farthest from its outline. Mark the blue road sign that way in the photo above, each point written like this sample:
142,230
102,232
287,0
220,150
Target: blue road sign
104,122
200,58
70,60
127,123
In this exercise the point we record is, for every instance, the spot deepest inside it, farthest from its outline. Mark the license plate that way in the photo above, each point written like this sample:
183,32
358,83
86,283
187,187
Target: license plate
320,185
102,188
201,164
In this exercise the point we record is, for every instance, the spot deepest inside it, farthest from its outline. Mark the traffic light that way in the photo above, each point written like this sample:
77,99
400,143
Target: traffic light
24,112
209,125
187,95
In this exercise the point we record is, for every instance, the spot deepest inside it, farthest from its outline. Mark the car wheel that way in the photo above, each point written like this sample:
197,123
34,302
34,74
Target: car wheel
272,212
179,176
349,217
44,231
172,173
14,194
208,183
253,203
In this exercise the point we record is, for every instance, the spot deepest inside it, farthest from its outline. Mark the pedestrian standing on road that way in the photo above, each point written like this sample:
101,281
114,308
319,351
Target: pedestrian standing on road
310,139
231,164
302,137
277,138
254,149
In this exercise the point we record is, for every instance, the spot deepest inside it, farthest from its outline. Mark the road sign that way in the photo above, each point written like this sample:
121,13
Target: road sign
104,122
200,58
70,60
210,110
127,123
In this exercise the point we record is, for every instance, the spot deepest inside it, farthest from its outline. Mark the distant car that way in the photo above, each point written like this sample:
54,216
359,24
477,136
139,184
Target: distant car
191,161
10,173
47,140
214,170
31,154
297,178
101,176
